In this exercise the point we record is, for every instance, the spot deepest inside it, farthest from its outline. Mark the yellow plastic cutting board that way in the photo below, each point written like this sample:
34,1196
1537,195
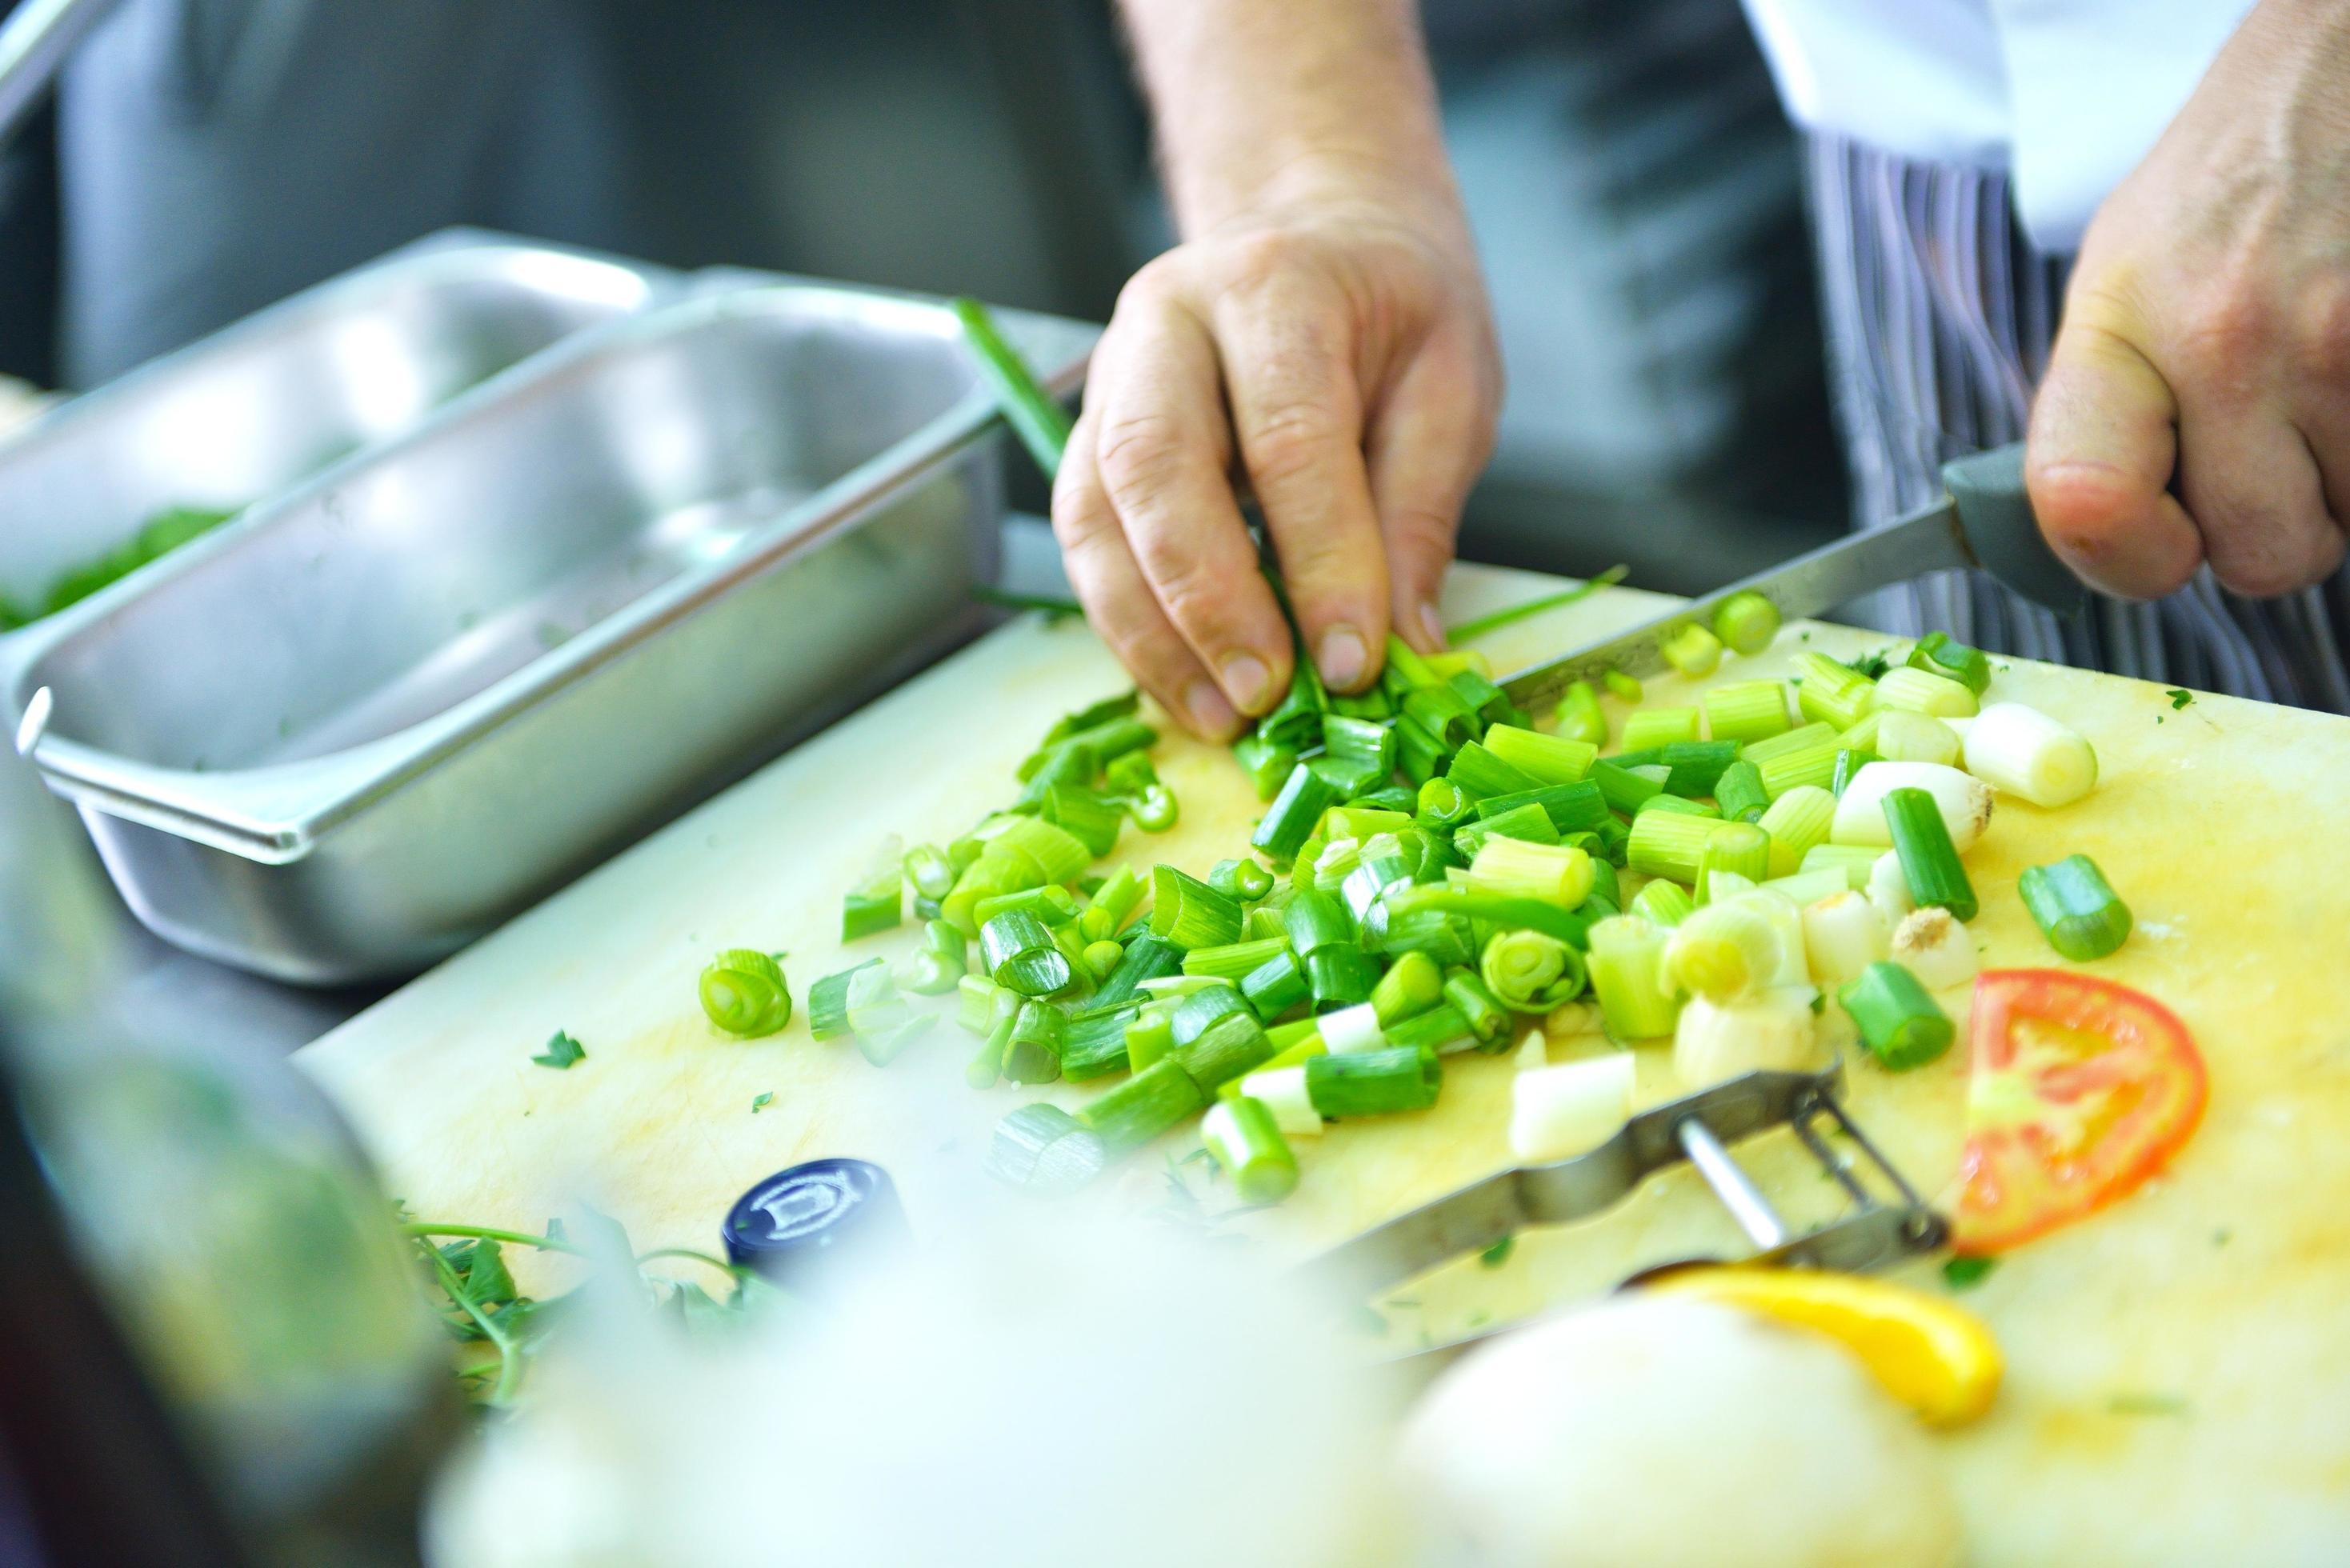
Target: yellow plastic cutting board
2179,1367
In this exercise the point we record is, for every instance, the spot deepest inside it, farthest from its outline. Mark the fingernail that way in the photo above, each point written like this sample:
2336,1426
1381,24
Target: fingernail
1433,624
1341,660
1210,714
1247,679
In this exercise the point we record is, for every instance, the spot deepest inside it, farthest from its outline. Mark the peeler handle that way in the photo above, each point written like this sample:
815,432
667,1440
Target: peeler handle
1995,514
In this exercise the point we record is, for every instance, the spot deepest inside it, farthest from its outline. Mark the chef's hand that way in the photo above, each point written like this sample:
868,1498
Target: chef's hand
2197,403
1322,335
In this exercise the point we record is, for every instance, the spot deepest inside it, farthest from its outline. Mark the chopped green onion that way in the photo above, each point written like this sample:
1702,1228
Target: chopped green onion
1692,650
1624,788
1340,977
1920,691
1290,820
1529,973
1060,855
1241,1134
1267,764
1243,879
1804,889
1571,808
1740,849
1132,774
1621,684
1018,951
1899,1023
1033,1053
1546,759
1862,736
1094,820
928,868
1515,868
1443,713
1403,798
1444,936
1803,756
1234,959
1096,1047
1724,952
1201,1011
1672,842
875,904
1647,727
1231,1045
828,1003
2075,906
1686,807
1374,1083
1665,902
1746,710
1938,655
1359,822
1414,984
1746,622
1579,716
1527,823
1419,755
1482,1012
1053,905
1444,804
1189,913
1831,692
1034,416
1155,809
743,994
2024,751
1740,793
943,963
1854,862
1692,768
1374,703
1355,1028
1102,957
1930,862
1277,985
1315,920
1843,933
1438,1029
1906,737
1149,1035
1362,743
1848,764
1626,965
1146,958
1155,1099
986,1063
1480,774
976,1002
1112,904
1044,1147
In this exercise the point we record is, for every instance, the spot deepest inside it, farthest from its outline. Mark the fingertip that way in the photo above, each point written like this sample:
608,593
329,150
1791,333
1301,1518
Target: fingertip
1343,658
2120,536
1208,714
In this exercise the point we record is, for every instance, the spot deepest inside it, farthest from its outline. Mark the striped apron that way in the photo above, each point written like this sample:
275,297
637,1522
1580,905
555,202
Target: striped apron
1940,314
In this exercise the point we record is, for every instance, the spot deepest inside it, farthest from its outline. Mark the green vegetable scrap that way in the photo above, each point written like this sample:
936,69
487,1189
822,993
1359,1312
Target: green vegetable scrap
2179,697
561,1051
1965,1273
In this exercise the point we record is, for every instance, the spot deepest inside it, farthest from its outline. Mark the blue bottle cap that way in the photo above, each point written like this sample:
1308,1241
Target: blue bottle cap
792,1226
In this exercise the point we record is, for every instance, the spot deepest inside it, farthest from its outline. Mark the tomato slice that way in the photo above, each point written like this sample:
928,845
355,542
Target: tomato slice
2081,1089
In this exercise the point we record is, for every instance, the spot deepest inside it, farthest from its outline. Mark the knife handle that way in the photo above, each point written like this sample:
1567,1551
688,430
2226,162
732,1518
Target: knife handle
1995,514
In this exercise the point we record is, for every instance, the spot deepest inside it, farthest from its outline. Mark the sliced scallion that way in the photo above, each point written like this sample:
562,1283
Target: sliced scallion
942,965
1233,1045
1626,972
1740,793
1189,913
1266,763
1929,862
2023,751
986,1064
1019,954
1291,819
1724,952
1546,759
1936,654
875,904
1622,685
1148,1104
976,1002
1234,959
1527,823
1374,1083
1045,1148
1412,984
1924,692
1092,818
1482,1012
1096,1047
1906,737
1647,727
2076,907
926,868
1671,843
1439,1029
1340,977
1900,1023
1848,764
1274,986
1202,1009
1315,920
828,1003
1515,868
1624,788
1149,1035
1692,650
1740,849
1579,715
1246,1141
1746,622
1480,774
1801,756
743,994
1112,904
1362,743
1033,1053
1665,902
1746,710
1528,972
1053,905
1854,862
1831,692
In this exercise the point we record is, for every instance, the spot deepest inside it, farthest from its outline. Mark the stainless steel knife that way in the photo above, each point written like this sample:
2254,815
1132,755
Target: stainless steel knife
1984,519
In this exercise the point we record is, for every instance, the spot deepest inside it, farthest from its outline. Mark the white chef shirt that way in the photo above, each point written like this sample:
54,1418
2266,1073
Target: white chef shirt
2066,95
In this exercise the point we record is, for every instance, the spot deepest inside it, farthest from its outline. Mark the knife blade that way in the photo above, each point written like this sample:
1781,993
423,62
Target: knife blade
1984,520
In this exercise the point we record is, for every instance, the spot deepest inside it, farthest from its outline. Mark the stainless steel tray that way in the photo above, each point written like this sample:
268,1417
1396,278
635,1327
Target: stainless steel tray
399,704
236,416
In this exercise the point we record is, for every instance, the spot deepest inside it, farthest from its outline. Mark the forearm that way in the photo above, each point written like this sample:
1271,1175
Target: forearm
1263,103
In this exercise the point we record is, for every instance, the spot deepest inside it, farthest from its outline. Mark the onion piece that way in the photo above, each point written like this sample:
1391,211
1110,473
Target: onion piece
2023,751
1939,950
1965,802
1888,889
1843,935
1557,1113
1775,1031
1283,1092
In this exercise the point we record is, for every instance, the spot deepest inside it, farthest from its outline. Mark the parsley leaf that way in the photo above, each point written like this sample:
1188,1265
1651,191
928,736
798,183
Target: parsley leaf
561,1051
1873,665
1965,1273
762,1101
2179,697
1494,1256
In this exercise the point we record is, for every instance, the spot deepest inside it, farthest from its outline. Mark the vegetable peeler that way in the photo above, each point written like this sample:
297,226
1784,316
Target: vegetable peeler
1698,1129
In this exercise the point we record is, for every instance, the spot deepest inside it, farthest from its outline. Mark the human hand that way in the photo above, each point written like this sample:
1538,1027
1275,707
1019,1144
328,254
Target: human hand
1341,348
2197,404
